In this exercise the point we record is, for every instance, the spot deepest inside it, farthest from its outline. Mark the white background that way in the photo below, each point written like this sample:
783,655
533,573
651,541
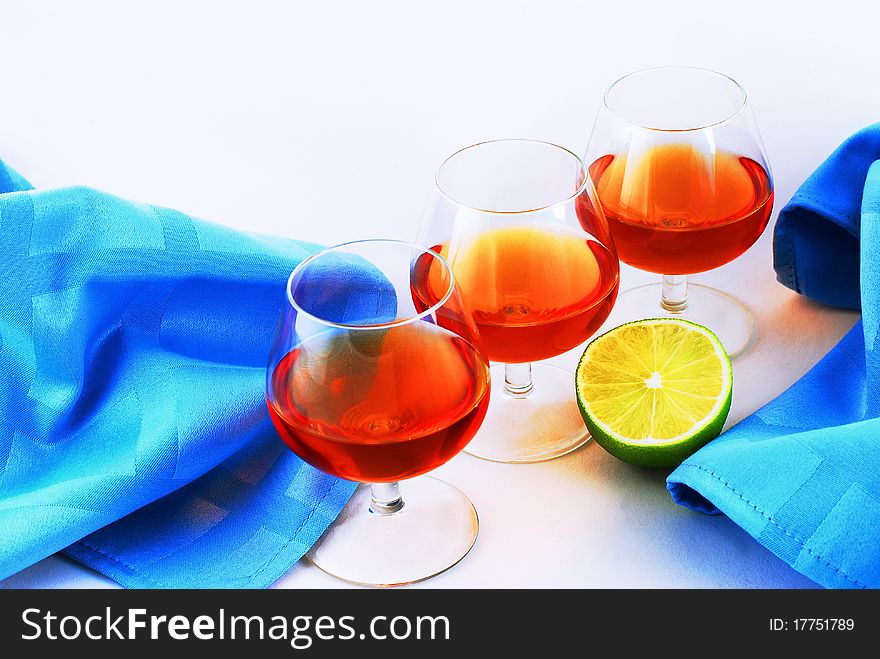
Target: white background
326,120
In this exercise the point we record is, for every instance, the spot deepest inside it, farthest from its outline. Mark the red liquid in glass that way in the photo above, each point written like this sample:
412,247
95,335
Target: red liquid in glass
677,211
380,405
534,292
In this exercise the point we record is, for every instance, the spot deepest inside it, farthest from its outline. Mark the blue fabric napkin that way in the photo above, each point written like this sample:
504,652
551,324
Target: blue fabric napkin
133,422
802,474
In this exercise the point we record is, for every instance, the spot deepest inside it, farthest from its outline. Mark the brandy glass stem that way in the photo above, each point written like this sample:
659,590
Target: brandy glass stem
673,296
385,498
518,380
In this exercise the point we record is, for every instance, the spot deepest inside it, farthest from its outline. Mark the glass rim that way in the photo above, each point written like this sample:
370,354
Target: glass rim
580,188
394,323
744,99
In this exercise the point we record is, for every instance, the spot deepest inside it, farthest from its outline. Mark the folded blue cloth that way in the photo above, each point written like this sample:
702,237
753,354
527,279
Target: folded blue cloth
133,422
802,474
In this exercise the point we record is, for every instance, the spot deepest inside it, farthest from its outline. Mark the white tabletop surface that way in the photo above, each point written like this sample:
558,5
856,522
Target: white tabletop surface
326,120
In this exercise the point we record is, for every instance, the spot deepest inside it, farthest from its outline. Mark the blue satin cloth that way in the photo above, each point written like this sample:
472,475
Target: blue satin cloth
802,474
133,426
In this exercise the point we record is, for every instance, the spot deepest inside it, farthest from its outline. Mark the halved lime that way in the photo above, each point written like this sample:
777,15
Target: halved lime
654,391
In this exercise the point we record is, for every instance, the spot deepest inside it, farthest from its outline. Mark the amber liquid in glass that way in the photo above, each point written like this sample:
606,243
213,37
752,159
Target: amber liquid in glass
379,405
677,211
533,292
